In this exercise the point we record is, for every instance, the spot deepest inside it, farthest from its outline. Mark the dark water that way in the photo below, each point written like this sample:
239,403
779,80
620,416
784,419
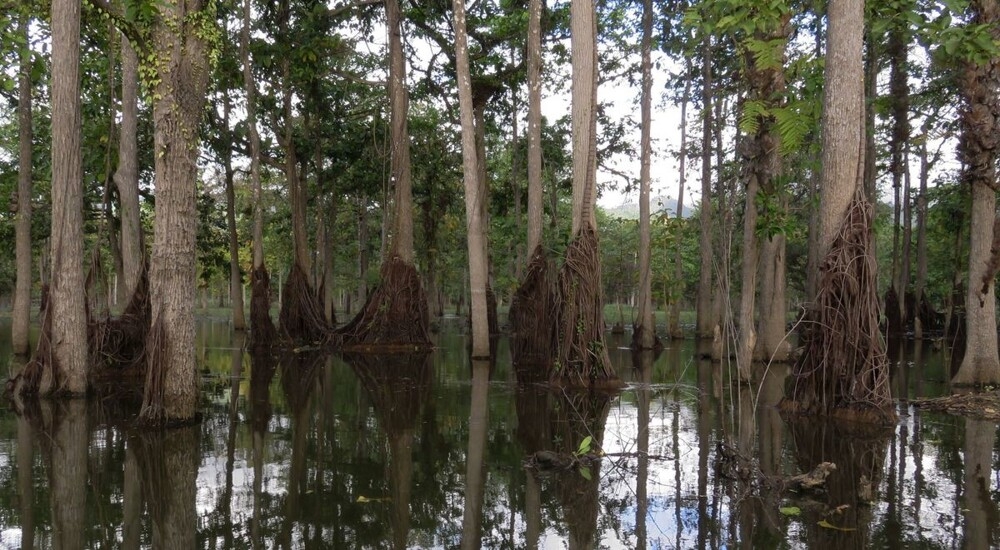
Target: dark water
427,452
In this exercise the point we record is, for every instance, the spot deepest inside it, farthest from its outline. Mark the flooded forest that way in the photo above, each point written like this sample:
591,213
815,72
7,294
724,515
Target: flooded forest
499,274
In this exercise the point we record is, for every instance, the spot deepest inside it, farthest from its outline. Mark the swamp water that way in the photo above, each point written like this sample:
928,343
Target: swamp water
429,452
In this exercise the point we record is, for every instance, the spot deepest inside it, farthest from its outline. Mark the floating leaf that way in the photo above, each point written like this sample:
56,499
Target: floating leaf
790,510
828,525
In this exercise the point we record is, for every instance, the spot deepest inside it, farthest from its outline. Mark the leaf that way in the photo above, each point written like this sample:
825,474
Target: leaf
828,525
790,510
584,445
585,472
364,500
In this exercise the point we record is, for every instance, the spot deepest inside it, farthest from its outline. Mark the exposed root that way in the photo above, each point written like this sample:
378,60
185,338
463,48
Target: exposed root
262,331
154,412
395,313
302,318
636,344
118,343
531,315
42,374
579,306
843,369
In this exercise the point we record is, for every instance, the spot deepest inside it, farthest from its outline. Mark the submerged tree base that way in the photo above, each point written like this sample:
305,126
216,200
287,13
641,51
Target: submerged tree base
262,331
118,344
843,370
302,318
395,314
531,315
583,357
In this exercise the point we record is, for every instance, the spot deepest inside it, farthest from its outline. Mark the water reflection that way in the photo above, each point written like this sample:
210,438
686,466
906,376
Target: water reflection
300,451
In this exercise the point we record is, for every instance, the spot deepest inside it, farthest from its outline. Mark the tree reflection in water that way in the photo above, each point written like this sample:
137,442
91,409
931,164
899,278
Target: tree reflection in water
168,464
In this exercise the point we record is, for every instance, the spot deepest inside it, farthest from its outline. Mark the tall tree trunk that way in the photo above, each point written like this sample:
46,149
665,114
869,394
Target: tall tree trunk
127,174
705,319
921,278
171,392
675,306
747,335
772,345
262,331
66,370
644,332
979,149
235,278
21,316
535,184
583,356
844,370
474,193
899,94
396,312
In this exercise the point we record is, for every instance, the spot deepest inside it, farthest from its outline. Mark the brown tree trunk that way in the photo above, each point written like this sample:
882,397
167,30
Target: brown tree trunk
644,332
262,331
66,367
171,392
772,344
921,278
705,319
127,174
235,278
979,149
21,315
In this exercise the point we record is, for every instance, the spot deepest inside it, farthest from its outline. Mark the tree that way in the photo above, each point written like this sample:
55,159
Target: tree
843,370
127,175
705,320
395,312
979,150
475,196
21,316
583,357
181,38
644,332
60,362
530,312
262,331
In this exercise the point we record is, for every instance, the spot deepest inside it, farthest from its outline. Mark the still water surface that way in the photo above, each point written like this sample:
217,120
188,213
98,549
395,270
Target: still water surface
429,451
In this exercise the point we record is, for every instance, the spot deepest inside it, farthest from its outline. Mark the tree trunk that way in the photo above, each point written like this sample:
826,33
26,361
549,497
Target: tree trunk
535,184
127,174
675,307
899,94
844,370
474,196
583,356
644,332
978,150
921,279
705,319
747,335
772,344
21,315
66,370
235,278
171,392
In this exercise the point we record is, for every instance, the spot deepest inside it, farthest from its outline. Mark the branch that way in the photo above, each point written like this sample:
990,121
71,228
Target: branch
130,30
336,12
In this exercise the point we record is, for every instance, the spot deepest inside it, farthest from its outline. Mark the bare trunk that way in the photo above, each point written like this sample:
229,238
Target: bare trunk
675,307
235,278
67,367
474,196
979,149
772,344
747,339
402,238
706,320
127,175
21,316
921,279
644,334
171,392
535,185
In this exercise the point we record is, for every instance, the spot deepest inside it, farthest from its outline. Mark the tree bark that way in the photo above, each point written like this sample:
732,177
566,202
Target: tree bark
474,196
127,174
644,333
67,367
535,184
921,278
21,316
235,277
675,306
402,238
705,319
978,149
171,392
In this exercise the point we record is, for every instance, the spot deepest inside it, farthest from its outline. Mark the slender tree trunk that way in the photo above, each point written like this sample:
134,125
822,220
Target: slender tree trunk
535,184
921,279
675,306
67,366
402,238
979,150
474,196
772,345
171,392
747,338
21,316
705,319
899,92
644,333
127,174
235,278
